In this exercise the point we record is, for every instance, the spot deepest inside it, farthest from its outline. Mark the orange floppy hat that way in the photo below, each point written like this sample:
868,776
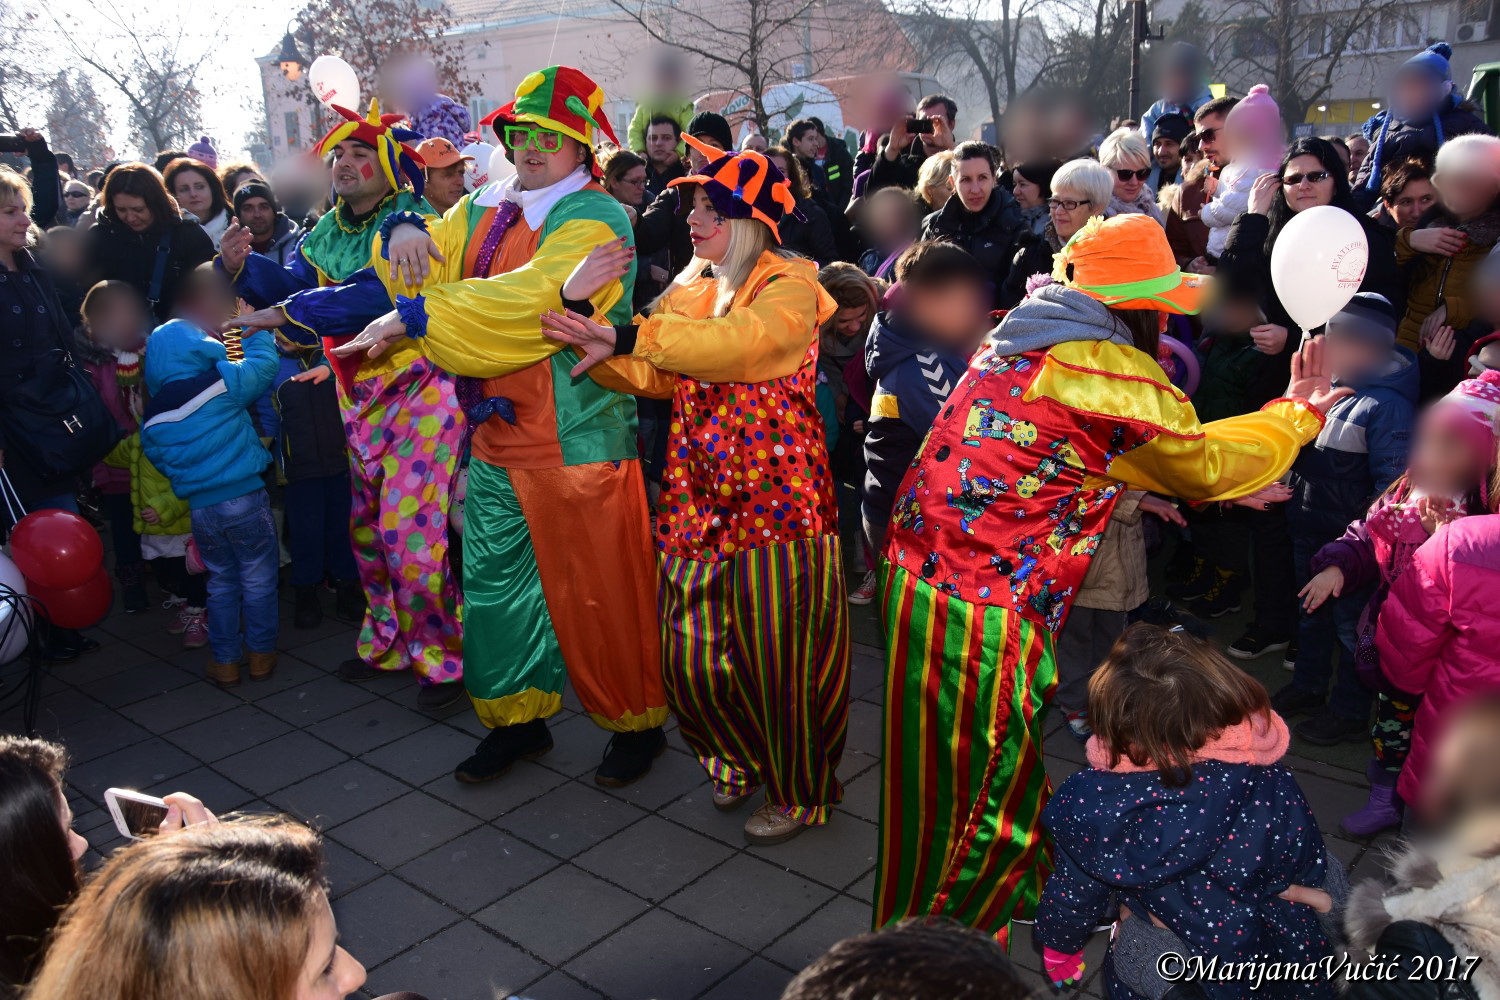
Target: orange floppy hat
742,185
1126,263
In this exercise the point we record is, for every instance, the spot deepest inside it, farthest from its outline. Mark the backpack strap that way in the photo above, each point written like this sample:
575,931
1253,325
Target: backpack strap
159,269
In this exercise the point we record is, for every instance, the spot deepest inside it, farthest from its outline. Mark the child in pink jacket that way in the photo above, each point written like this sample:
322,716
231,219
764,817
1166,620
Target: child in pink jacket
1439,633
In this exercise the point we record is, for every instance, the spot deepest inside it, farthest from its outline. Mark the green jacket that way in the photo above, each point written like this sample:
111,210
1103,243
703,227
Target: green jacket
680,110
149,488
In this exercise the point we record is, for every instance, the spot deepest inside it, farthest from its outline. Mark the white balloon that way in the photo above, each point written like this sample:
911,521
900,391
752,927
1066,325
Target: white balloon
1318,263
500,167
15,617
477,171
334,81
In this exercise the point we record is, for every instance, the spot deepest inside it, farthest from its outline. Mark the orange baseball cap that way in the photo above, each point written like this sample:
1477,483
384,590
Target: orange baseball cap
1126,263
439,152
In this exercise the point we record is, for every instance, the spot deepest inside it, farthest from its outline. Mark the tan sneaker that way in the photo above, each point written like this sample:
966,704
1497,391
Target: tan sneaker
262,665
224,674
769,825
725,801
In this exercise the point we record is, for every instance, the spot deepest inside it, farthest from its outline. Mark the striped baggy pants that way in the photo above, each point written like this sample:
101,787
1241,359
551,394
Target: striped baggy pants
964,785
756,658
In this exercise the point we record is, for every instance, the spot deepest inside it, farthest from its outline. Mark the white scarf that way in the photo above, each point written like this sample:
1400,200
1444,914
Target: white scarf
534,204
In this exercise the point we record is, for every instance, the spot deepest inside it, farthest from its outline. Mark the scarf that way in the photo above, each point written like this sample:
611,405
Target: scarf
1144,204
1260,742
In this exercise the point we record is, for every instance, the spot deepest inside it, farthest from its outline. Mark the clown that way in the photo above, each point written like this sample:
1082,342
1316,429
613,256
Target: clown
401,414
971,602
752,597
558,569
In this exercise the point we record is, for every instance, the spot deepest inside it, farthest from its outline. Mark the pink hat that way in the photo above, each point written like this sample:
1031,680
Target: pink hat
1257,115
1473,408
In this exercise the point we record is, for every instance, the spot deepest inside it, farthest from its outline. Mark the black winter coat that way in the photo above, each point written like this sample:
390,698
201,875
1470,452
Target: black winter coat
1404,140
1034,254
989,235
118,253
811,236
312,445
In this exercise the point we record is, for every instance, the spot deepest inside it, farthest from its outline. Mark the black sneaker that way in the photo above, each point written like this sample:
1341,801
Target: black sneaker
1329,730
1255,643
307,613
1289,658
436,697
1292,700
134,598
357,671
349,601
1222,598
1200,579
628,757
502,748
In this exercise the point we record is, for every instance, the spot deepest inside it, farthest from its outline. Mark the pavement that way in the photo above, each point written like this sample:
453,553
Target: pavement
540,884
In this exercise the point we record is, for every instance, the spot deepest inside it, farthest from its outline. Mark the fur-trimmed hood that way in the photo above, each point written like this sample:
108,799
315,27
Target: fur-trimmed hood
1452,886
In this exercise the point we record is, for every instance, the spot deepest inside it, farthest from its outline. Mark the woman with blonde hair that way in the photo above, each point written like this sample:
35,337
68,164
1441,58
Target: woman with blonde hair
935,181
233,911
755,633
1125,154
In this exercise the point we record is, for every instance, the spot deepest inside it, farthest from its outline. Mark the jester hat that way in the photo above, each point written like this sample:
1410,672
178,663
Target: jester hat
559,98
741,185
398,159
1126,263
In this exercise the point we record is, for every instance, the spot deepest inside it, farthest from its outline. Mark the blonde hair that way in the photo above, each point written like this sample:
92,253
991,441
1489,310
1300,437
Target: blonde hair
1122,146
935,171
748,240
13,187
850,288
219,912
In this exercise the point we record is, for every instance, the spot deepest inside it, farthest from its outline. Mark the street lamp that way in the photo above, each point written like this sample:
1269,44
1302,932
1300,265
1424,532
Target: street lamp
1141,37
289,58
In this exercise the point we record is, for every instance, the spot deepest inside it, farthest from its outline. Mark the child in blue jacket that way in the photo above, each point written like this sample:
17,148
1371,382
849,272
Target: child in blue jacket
197,430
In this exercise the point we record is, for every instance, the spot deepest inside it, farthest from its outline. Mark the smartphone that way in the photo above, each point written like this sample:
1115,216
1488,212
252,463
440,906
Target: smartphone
919,126
136,816
12,144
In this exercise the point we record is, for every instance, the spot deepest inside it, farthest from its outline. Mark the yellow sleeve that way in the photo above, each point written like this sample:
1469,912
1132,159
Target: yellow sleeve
1404,250
763,339
636,376
1221,460
486,327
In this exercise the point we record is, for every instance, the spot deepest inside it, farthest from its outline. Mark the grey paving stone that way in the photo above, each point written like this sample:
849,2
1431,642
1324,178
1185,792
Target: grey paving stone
491,800
290,673
280,762
862,796
164,713
578,746
370,725
111,658
403,828
835,854
477,868
757,979
464,962
864,889
326,653
339,794
217,792
423,756
130,686
1332,800
347,871
696,812
142,765
56,713
658,955
95,736
240,728
841,918
561,914
386,917
653,858
318,699
560,986
865,721
748,901
569,819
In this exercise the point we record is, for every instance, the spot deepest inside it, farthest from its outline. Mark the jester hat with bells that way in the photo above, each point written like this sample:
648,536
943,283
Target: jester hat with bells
398,159
559,98
741,186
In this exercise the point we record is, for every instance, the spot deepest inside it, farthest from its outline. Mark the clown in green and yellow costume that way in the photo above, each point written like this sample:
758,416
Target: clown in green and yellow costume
992,532
404,426
559,570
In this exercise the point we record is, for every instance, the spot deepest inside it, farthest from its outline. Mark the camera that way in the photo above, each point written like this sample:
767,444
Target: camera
12,144
919,126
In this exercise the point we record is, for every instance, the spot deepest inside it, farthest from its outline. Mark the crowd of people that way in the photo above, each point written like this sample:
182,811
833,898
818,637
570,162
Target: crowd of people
645,417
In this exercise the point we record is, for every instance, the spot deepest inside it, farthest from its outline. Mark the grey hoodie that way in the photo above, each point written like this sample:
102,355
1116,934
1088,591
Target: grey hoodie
1055,314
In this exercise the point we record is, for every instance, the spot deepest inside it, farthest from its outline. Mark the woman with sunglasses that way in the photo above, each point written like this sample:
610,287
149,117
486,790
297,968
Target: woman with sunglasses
981,216
1081,189
1124,154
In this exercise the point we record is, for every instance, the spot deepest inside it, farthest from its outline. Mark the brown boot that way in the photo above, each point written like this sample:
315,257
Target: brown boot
224,674
262,665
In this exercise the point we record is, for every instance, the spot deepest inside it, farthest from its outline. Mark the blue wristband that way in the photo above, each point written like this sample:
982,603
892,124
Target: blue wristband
391,222
413,313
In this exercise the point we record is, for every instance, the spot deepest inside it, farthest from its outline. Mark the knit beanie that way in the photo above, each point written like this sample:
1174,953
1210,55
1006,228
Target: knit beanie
1173,127
254,189
1256,114
1473,409
1368,315
1470,155
709,125
1432,61
203,151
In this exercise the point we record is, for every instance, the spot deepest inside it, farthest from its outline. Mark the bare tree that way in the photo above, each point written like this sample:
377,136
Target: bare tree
82,134
751,46
22,86
156,72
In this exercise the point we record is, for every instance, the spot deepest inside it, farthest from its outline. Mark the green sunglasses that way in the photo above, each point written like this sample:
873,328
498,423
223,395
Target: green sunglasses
519,137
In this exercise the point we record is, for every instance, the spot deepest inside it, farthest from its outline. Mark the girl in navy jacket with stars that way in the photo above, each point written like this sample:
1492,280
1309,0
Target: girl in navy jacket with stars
1186,818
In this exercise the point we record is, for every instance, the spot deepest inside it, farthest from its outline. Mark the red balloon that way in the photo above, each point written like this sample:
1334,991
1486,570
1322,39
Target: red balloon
77,607
56,549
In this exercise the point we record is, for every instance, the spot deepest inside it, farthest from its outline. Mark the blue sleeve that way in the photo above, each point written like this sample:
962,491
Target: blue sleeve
250,379
1071,907
336,310
1388,440
263,282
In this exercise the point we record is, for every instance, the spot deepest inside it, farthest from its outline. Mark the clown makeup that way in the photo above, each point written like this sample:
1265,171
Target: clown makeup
357,177
708,229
